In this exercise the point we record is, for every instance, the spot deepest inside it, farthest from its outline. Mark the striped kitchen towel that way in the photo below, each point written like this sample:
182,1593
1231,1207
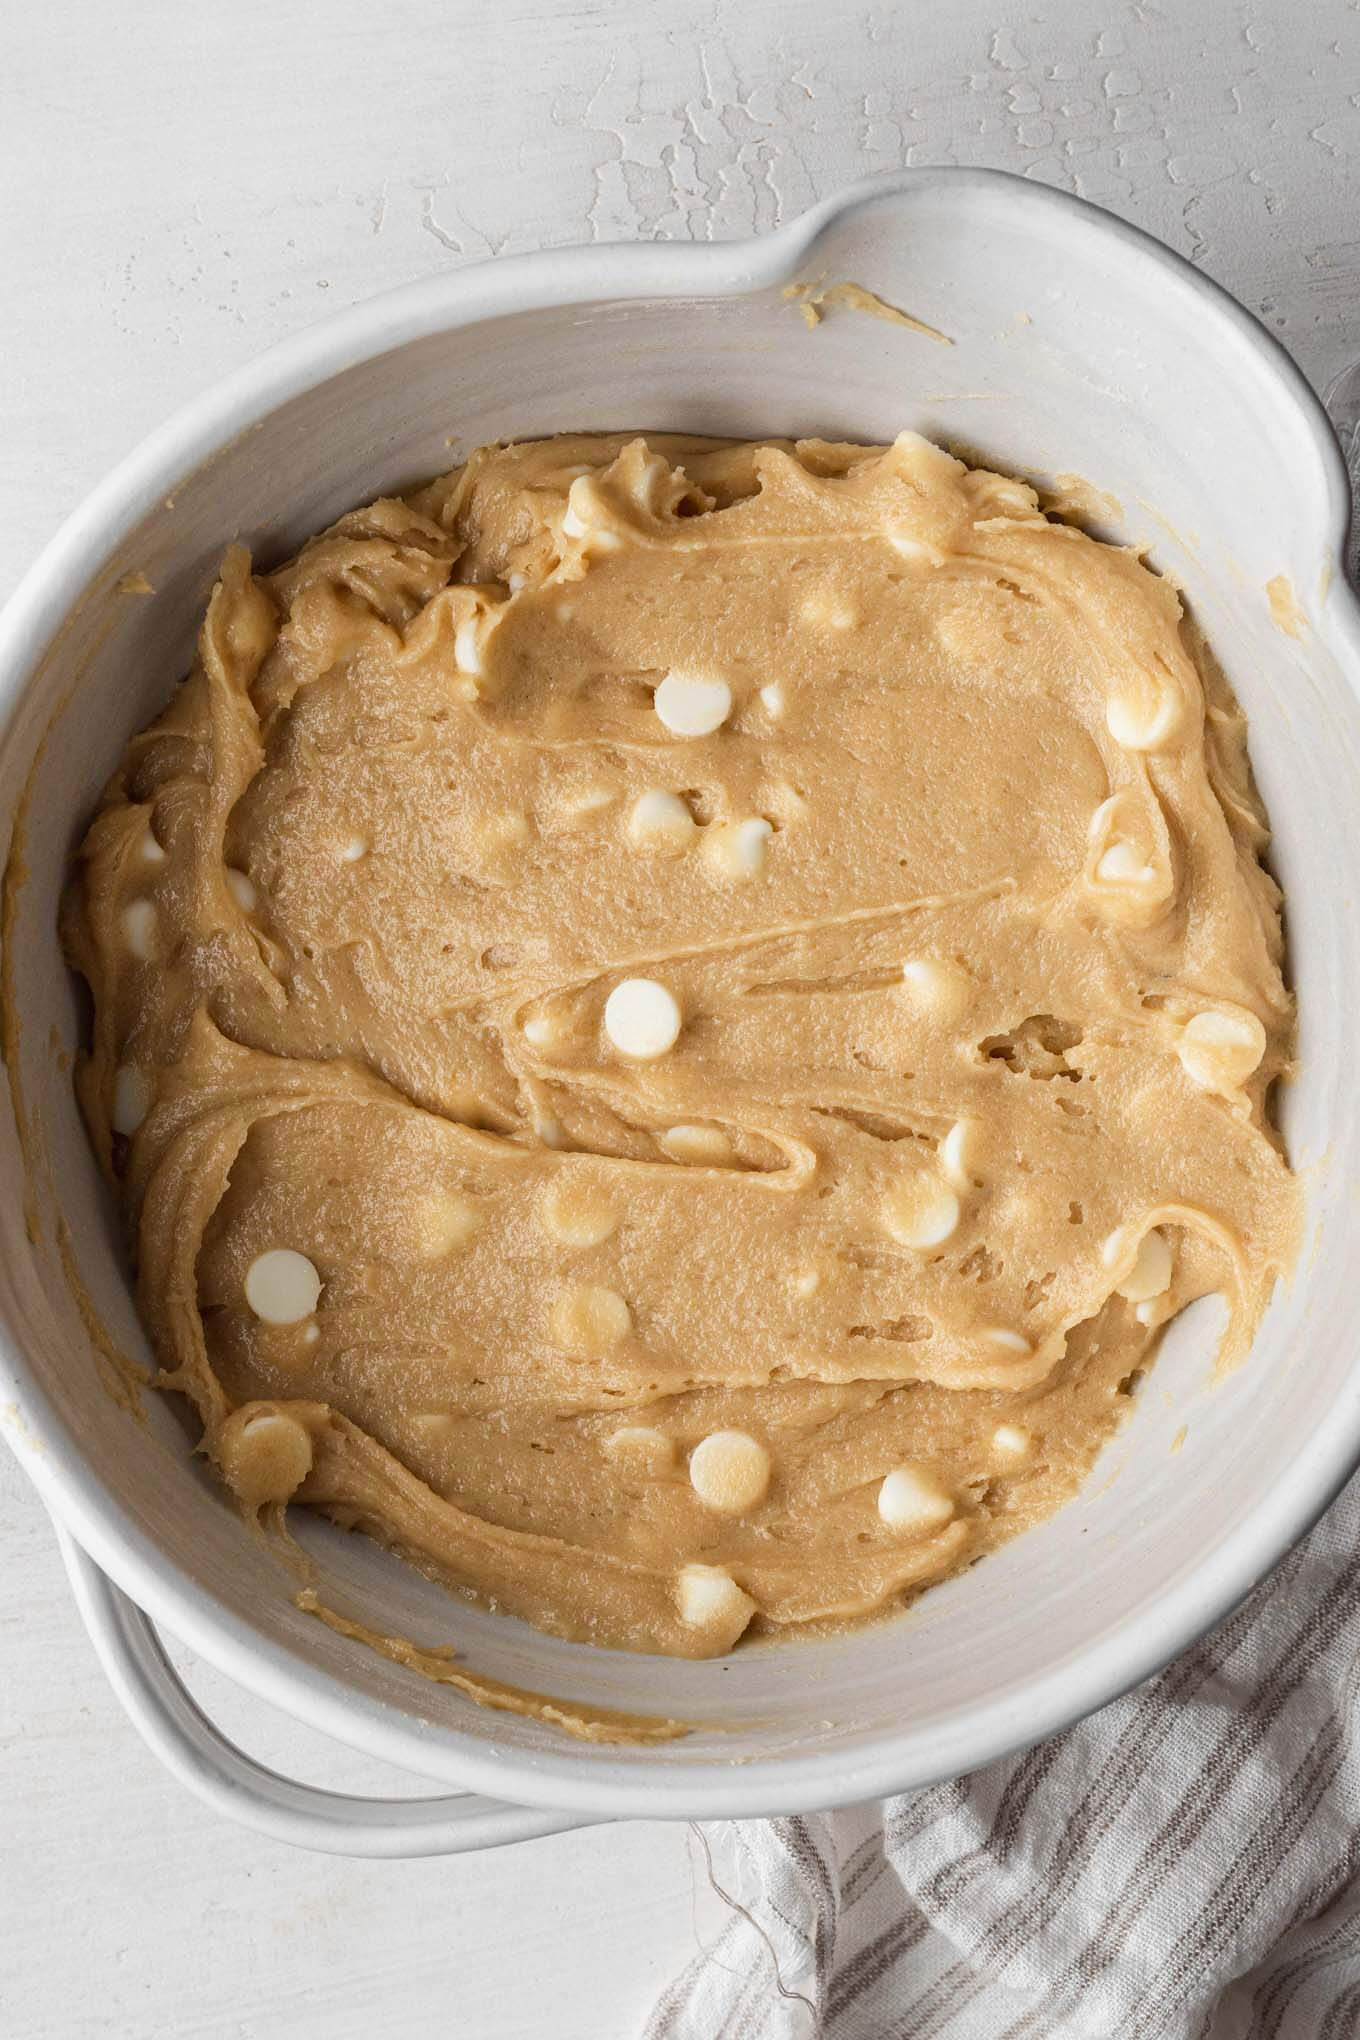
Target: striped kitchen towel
1184,1865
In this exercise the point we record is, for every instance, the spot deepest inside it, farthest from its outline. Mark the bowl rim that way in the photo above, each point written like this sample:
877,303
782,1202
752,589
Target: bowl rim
587,1778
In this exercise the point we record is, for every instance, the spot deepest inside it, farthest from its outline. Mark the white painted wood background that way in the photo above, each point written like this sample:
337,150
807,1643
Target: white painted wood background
182,184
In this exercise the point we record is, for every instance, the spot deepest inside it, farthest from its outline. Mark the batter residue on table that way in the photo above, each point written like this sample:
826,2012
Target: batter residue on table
673,1019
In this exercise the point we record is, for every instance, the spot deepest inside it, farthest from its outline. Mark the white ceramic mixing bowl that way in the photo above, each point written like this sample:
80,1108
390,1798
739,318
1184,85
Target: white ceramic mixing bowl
1078,346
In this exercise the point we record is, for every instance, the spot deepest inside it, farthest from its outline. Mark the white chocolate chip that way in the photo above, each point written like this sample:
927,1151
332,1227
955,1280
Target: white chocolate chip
921,1211
444,1221
1151,1272
548,1126
773,699
264,1454
660,823
547,1028
578,1215
1123,873
708,1597
242,890
1009,1342
140,929
690,705
580,518
729,1472
353,850
282,1287
642,1019
590,1321
1141,725
940,989
697,1145
952,1154
467,650
640,1448
132,1098
1122,863
737,849
1010,1442
150,850
1220,1050
913,1501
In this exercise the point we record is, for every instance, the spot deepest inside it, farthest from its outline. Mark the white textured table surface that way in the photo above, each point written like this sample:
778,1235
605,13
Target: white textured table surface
183,185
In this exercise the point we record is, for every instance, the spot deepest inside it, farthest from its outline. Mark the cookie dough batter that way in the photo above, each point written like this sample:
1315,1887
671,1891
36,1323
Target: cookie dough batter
671,1020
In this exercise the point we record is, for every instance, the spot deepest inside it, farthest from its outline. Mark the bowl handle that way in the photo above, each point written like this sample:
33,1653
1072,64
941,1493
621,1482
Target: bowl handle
176,1729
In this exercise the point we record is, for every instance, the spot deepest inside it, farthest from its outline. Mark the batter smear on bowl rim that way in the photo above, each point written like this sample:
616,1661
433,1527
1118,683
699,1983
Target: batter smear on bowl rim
673,1019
